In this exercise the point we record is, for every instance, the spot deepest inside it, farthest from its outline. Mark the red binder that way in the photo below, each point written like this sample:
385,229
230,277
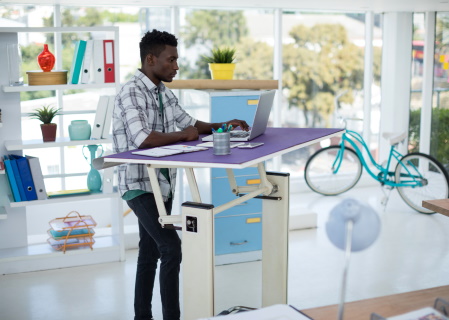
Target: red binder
109,66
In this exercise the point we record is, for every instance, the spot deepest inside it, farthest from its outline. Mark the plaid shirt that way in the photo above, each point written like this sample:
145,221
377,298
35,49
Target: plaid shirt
136,115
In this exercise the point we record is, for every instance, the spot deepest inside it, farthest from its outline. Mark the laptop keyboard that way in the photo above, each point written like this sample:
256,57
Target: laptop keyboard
240,134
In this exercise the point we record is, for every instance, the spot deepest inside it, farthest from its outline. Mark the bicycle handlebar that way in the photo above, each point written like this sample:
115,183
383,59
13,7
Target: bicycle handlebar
345,120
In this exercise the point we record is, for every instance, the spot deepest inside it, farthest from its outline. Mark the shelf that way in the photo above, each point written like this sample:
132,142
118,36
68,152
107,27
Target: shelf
204,84
64,199
58,87
57,29
42,257
15,145
3,213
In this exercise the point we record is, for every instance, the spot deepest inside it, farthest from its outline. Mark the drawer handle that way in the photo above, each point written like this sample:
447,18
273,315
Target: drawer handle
239,243
253,102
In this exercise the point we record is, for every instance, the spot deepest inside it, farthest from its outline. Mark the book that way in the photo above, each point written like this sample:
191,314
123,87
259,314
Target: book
38,178
100,116
109,65
98,61
65,193
11,179
77,62
75,233
108,118
68,223
87,62
26,177
210,144
17,177
168,150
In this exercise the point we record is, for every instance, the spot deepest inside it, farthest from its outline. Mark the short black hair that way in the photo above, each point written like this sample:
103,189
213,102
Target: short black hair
154,42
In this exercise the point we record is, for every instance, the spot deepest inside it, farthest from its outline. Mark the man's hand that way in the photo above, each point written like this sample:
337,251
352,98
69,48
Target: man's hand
191,133
238,123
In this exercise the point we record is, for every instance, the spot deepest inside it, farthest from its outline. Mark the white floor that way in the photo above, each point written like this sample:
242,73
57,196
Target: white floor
411,253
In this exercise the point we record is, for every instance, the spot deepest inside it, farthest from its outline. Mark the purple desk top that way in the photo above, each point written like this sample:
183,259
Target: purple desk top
276,141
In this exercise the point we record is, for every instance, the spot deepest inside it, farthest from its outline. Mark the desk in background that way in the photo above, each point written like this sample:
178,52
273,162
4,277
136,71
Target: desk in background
439,205
387,306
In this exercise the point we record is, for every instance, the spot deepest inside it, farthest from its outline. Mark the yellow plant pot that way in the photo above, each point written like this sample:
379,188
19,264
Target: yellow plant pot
222,71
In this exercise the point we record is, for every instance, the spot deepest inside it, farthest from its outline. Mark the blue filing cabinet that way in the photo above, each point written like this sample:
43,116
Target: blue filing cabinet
238,230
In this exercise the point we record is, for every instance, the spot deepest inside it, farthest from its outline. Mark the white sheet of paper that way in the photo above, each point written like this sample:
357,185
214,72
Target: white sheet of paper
275,312
184,148
211,144
157,152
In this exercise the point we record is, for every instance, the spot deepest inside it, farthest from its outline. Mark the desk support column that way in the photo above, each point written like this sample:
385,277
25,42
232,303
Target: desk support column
275,241
198,260
193,185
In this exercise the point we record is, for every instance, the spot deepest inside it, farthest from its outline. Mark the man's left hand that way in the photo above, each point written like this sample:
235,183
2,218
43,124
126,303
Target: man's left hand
238,123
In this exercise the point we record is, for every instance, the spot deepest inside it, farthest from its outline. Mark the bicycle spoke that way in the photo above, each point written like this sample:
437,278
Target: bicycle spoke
332,171
420,177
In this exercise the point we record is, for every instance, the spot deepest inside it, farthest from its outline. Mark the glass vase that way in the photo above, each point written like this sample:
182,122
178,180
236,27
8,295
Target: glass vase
93,177
79,130
46,59
15,64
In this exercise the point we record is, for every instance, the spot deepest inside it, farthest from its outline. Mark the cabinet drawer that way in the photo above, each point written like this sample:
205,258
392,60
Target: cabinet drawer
230,107
238,234
220,172
221,193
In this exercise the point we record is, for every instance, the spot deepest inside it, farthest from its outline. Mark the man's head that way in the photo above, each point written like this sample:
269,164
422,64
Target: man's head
159,56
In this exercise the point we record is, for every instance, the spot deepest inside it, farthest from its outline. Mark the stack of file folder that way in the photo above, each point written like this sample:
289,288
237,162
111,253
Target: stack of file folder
25,178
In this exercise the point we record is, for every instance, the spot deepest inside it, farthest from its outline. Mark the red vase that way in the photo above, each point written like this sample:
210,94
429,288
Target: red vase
46,59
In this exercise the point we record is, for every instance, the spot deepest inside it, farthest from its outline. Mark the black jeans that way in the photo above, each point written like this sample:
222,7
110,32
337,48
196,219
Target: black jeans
156,243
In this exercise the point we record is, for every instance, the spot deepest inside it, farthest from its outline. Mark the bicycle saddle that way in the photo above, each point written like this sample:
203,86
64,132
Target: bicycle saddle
395,137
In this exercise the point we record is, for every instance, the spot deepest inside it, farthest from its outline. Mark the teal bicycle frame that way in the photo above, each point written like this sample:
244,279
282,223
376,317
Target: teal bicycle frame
385,177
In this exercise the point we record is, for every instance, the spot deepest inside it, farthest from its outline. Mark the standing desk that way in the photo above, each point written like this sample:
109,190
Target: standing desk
197,218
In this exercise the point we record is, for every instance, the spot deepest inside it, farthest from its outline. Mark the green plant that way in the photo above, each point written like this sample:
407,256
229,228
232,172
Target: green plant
224,55
45,114
439,136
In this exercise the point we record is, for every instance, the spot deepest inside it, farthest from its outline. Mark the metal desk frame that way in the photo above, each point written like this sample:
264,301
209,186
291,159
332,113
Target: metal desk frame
197,218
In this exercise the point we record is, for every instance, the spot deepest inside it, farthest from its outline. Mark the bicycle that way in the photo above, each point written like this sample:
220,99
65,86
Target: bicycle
337,168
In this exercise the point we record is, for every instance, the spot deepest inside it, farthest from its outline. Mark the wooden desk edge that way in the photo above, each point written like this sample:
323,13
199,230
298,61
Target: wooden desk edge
438,205
386,306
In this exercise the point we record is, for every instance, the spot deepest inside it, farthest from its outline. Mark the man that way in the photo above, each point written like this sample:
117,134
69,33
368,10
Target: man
146,115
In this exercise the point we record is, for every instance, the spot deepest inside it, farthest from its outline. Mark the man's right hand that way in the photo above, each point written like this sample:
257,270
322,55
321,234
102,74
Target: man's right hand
191,133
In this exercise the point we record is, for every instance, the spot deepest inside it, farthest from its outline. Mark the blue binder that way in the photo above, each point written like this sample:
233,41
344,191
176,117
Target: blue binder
77,62
11,179
15,170
27,179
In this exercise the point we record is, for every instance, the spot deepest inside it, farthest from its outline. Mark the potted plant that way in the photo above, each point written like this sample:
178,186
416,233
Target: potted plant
221,63
46,115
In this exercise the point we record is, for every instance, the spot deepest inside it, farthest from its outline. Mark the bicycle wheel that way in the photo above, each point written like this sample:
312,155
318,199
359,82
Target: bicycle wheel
320,176
419,167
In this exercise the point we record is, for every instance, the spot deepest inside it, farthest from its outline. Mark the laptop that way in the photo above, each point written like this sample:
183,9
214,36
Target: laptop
260,120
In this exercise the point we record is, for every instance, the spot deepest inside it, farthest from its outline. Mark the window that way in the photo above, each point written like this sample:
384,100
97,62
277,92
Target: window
323,59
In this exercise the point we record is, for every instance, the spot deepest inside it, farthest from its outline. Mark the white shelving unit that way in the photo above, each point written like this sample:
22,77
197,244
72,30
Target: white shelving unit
15,145
49,201
58,87
3,214
15,253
